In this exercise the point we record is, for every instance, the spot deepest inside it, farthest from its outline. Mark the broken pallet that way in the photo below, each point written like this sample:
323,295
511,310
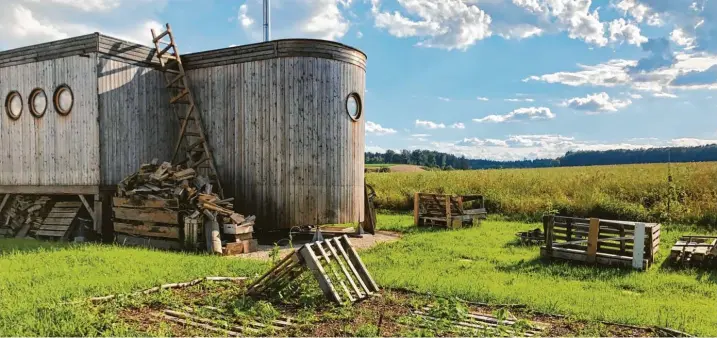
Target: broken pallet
59,222
335,264
694,250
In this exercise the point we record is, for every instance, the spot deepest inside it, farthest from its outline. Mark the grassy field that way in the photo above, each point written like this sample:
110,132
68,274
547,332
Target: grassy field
479,264
633,192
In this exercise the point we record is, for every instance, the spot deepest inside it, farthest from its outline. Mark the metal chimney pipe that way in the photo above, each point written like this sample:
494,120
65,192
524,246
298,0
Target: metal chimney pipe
267,19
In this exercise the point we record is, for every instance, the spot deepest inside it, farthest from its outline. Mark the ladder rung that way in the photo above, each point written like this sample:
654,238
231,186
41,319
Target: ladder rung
191,133
172,71
198,163
160,36
177,78
195,144
182,94
166,49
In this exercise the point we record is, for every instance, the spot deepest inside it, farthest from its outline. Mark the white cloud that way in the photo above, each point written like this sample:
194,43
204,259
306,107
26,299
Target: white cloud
689,71
691,142
244,19
621,30
444,99
319,19
480,98
359,34
375,128
519,100
635,96
458,125
520,114
430,124
375,149
573,16
682,38
27,22
448,24
640,12
420,135
665,95
596,103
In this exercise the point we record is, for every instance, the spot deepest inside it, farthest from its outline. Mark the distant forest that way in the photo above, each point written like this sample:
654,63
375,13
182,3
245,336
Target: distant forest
435,159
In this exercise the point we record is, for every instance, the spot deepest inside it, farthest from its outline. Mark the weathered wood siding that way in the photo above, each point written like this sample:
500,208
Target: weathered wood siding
137,123
52,150
285,146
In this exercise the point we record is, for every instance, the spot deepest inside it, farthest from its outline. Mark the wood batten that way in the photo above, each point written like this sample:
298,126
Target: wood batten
276,49
84,44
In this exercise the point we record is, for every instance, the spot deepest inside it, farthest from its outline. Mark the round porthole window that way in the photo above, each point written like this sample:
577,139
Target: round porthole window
63,100
13,105
38,102
353,106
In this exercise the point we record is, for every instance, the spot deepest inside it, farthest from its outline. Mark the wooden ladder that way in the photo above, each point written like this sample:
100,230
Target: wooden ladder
198,155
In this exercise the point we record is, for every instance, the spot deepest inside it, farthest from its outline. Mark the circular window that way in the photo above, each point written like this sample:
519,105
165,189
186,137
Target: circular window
38,102
63,100
13,105
353,106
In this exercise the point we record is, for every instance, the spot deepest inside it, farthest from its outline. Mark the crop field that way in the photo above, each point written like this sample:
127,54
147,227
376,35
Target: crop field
629,192
41,283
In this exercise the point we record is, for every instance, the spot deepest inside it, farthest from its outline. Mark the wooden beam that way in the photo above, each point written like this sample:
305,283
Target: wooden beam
159,204
50,189
4,201
593,239
415,209
147,215
638,249
147,229
87,206
449,224
98,214
548,222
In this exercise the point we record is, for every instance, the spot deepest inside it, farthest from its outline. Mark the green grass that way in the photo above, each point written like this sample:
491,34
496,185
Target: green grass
632,192
486,264
379,165
479,264
36,278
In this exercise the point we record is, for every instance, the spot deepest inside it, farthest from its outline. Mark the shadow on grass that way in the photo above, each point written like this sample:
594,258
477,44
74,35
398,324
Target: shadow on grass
12,245
701,273
564,269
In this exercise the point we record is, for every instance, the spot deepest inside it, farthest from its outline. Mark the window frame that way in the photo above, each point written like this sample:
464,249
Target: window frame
359,106
56,99
10,96
31,103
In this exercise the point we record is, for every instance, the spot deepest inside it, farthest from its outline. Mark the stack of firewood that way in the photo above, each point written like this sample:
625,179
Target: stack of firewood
22,214
194,197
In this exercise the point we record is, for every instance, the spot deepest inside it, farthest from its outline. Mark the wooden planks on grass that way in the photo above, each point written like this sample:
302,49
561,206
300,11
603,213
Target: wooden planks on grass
148,229
601,241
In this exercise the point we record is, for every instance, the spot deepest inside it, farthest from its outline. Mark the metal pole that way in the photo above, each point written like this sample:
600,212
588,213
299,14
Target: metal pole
267,19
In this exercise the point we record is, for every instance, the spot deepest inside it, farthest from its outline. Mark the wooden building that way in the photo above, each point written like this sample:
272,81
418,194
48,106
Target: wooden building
284,120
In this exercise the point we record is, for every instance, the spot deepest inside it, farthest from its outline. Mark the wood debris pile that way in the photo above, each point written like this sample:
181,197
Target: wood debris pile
21,215
176,204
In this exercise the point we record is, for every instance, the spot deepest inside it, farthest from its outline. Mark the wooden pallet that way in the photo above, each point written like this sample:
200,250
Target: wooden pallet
60,221
694,250
334,263
191,134
478,324
601,241
447,210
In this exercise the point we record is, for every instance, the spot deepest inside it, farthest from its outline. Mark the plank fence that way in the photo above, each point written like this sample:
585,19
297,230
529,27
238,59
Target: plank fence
601,241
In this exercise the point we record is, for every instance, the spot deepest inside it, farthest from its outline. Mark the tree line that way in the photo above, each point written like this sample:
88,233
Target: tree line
439,160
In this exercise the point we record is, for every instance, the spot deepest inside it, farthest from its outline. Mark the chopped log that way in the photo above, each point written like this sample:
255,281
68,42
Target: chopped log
234,248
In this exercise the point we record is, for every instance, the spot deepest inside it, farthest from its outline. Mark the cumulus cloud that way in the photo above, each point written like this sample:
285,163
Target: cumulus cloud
660,55
319,19
480,98
449,24
377,129
458,125
519,100
596,103
665,95
572,16
430,124
706,79
520,114
444,99
622,30
244,19
30,22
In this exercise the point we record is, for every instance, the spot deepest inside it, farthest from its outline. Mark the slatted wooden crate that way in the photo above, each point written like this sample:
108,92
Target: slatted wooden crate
149,223
607,242
447,210
695,250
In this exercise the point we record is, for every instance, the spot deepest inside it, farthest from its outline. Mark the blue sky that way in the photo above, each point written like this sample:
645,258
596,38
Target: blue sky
498,79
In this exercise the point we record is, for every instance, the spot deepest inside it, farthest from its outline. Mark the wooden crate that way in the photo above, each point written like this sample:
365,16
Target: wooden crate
694,250
149,223
447,210
607,242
